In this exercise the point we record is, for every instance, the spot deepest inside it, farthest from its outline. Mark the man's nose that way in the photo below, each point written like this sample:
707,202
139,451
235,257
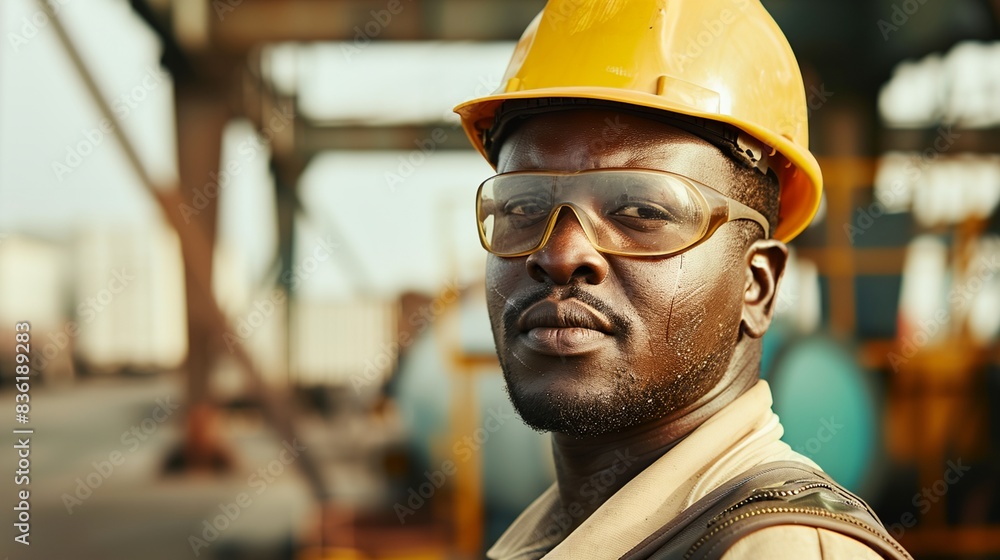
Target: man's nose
567,254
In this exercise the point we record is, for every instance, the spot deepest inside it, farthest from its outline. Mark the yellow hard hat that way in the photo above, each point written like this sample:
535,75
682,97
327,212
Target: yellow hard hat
720,60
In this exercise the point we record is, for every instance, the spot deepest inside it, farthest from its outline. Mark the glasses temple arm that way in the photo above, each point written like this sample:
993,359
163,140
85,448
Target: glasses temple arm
740,211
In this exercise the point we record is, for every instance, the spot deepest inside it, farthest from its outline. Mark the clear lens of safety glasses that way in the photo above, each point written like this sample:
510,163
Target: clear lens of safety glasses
634,212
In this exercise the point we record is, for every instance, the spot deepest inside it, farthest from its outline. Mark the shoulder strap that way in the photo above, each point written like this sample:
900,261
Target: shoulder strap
781,493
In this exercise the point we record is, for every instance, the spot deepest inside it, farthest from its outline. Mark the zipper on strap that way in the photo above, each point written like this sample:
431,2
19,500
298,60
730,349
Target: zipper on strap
787,509
770,494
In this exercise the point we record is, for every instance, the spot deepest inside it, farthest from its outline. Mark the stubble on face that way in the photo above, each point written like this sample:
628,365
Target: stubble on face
676,319
649,379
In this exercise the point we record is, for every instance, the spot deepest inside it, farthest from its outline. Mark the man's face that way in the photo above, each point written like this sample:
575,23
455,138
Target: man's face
592,343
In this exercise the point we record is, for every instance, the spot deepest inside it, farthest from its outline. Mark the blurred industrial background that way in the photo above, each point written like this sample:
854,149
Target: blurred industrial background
242,234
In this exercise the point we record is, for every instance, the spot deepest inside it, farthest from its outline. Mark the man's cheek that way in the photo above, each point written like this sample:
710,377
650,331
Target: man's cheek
496,291
703,331
503,277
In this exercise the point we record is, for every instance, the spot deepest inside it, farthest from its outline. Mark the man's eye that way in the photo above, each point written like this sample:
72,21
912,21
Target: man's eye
642,216
526,208
642,211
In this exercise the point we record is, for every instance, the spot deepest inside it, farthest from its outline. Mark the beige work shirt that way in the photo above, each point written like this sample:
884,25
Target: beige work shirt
737,438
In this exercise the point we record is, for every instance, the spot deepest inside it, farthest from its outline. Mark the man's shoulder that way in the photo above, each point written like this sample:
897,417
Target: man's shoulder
784,506
797,542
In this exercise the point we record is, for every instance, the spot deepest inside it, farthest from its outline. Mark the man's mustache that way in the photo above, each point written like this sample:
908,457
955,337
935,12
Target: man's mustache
518,304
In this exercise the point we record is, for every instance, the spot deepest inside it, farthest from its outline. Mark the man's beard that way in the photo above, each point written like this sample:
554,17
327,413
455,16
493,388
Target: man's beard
626,400
621,396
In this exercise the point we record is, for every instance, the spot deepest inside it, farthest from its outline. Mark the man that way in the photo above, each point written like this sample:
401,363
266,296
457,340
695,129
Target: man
652,160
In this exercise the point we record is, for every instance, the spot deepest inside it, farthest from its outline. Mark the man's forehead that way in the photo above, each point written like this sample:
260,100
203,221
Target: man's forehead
589,139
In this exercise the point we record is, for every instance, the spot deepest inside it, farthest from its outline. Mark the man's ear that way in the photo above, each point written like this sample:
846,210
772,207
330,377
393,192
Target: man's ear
765,263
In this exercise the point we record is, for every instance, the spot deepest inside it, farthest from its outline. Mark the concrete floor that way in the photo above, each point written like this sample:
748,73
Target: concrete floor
136,512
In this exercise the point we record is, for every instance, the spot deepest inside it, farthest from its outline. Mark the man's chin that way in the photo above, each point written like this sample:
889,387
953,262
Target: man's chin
569,410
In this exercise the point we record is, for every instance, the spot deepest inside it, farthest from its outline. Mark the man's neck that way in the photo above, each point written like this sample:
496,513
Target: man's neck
590,470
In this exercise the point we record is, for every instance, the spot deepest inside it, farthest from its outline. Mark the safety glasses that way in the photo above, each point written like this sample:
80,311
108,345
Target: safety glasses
632,212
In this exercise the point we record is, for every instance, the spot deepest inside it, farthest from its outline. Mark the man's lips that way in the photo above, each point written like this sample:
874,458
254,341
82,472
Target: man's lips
563,328
565,314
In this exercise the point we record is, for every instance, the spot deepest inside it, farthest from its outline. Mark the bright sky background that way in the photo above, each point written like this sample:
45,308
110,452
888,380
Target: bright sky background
44,113
415,236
